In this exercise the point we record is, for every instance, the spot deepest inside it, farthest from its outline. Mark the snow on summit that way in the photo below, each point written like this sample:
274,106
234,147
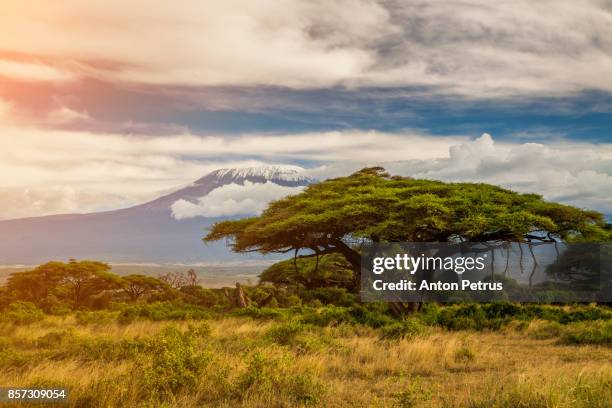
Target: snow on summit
276,172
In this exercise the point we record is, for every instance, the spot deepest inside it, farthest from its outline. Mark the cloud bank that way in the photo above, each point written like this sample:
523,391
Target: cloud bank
473,48
580,175
233,199
58,171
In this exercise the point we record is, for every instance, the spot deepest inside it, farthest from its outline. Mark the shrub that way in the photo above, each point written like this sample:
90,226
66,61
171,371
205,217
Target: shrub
406,329
95,317
54,339
413,395
23,313
162,311
544,330
596,332
265,376
285,333
329,296
306,389
172,361
464,354
263,313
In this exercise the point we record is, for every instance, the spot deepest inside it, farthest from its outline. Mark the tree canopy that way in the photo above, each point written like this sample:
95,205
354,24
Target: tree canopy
329,270
75,283
336,215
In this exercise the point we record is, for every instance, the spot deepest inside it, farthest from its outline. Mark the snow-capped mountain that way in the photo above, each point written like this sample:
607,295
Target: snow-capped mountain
146,232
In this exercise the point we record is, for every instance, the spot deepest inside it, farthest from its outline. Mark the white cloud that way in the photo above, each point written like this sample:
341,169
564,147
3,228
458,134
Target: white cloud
578,174
474,48
233,199
68,171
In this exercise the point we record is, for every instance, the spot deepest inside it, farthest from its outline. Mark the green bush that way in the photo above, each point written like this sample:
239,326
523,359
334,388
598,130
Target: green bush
265,375
285,333
595,332
329,296
544,330
173,361
263,313
306,389
23,313
157,311
464,354
405,329
83,317
56,338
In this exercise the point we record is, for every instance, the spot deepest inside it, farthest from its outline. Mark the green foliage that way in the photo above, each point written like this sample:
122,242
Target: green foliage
545,330
137,286
174,361
584,392
408,328
75,283
310,273
97,317
200,296
413,395
22,313
367,315
266,376
493,316
329,296
464,354
595,332
263,313
285,333
162,311
374,206
56,338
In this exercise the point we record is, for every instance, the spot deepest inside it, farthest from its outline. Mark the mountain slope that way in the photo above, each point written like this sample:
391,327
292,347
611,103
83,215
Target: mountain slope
143,233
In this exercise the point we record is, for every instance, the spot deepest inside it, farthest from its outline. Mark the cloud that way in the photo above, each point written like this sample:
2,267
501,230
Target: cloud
31,71
55,199
577,174
78,171
473,48
65,116
233,199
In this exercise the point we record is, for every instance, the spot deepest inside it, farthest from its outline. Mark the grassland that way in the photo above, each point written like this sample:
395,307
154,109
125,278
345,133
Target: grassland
230,361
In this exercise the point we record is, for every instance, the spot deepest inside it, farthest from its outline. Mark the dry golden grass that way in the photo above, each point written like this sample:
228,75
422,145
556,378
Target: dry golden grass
332,367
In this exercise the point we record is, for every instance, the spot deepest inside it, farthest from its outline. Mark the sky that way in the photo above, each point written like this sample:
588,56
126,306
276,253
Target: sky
106,104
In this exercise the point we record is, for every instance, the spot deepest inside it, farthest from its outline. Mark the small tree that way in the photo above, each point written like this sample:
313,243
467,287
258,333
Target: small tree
85,279
136,286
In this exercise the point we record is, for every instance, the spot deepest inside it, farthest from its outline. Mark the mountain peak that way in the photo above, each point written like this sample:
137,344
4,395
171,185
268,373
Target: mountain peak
278,173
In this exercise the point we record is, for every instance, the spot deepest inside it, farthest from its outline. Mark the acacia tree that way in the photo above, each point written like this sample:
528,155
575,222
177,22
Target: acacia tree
85,279
136,286
339,215
75,281
37,284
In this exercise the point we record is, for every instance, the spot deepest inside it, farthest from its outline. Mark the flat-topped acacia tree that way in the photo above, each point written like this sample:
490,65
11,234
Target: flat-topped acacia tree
337,215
